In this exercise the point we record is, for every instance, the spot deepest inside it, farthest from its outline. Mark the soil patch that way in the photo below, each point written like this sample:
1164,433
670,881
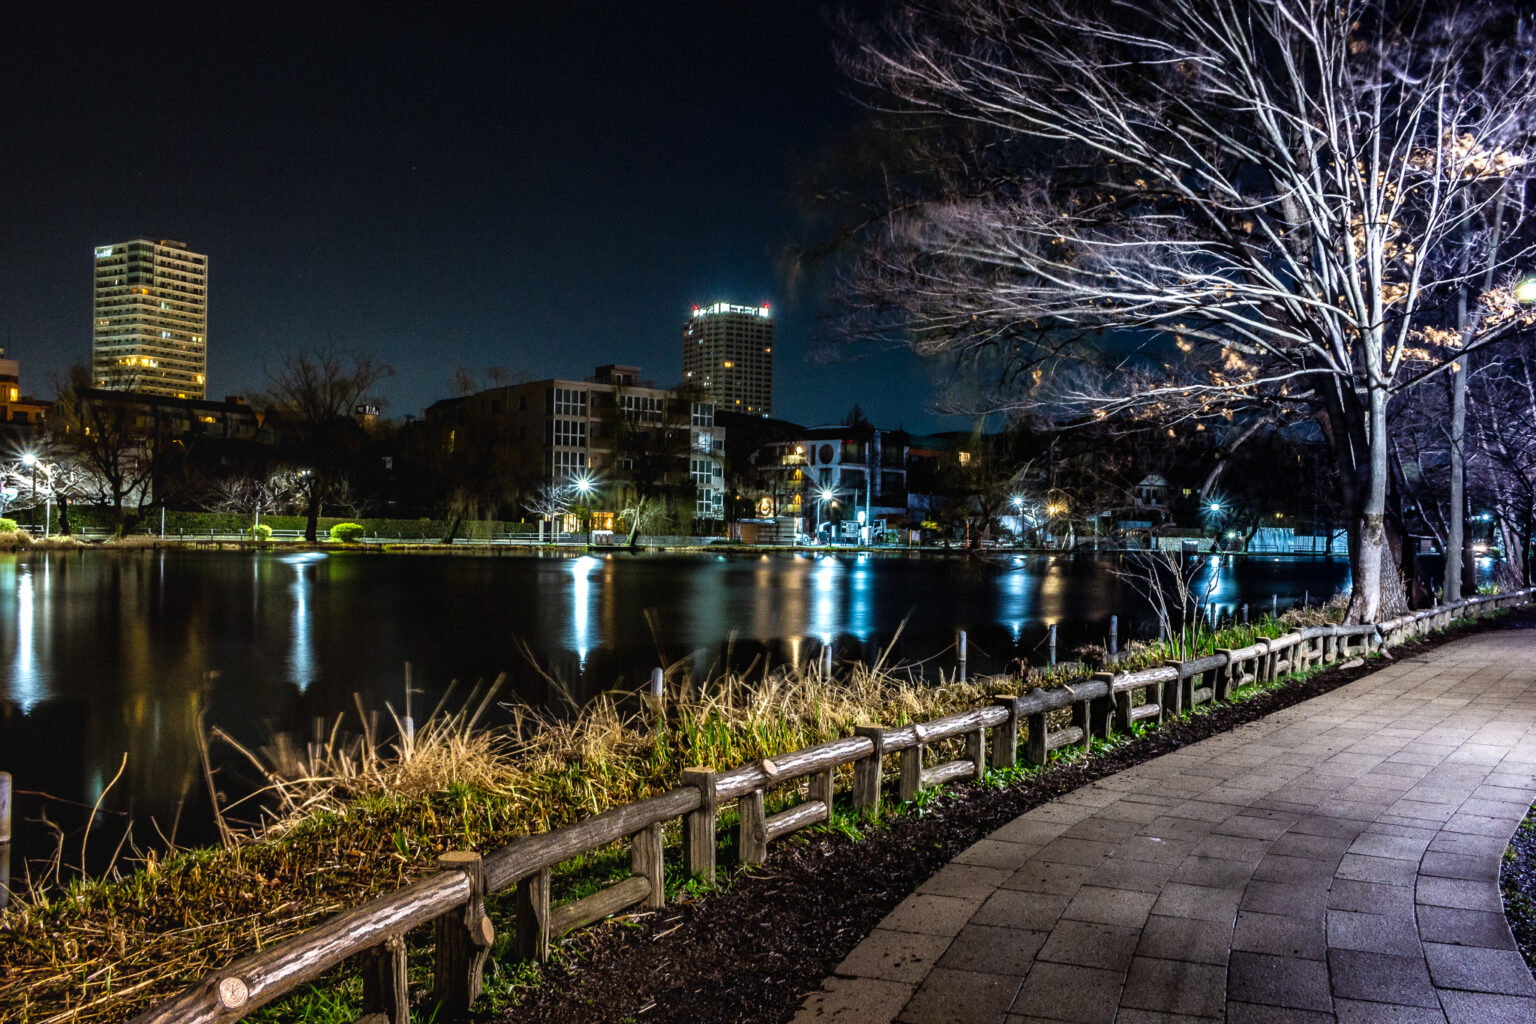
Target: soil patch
751,953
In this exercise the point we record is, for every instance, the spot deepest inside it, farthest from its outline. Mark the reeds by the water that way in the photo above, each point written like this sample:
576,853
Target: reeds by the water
354,815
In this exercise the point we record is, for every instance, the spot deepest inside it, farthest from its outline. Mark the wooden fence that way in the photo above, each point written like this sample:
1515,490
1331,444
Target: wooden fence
453,898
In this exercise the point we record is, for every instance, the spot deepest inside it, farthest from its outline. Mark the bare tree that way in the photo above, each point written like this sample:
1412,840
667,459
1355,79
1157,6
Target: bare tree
313,396
1281,201
552,501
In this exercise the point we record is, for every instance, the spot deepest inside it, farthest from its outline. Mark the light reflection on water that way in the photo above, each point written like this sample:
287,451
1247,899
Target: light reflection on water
109,652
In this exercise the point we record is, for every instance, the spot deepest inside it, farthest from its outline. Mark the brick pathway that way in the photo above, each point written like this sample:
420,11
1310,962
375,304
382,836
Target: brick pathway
1336,861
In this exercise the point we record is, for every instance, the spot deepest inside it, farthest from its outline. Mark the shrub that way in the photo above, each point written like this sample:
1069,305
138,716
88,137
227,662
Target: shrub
261,531
7,526
347,533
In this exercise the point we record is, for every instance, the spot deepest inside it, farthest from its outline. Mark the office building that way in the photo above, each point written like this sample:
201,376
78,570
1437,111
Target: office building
151,319
624,434
728,355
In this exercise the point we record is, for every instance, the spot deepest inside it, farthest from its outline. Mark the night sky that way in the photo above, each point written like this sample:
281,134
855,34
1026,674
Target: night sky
538,187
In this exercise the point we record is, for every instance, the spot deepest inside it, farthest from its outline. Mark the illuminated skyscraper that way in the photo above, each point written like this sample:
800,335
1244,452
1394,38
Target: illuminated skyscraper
728,354
150,329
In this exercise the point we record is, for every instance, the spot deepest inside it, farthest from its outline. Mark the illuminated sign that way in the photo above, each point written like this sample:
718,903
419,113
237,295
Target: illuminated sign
726,307
103,251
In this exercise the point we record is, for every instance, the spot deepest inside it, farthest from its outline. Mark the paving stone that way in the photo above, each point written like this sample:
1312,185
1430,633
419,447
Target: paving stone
1062,879
1175,986
1175,938
1296,870
1370,897
1277,935
1084,995
1376,933
1459,893
1250,827
1286,899
993,950
1241,848
1299,844
1212,871
854,1001
995,853
1026,911
1465,927
1353,1011
894,956
964,879
1124,907
961,997
1278,981
1198,902
1500,971
1482,1008
1360,868
931,915
1380,978
1091,945
1257,1013
1145,875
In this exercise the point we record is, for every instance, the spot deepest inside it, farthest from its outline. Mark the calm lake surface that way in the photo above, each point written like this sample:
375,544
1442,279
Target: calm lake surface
107,654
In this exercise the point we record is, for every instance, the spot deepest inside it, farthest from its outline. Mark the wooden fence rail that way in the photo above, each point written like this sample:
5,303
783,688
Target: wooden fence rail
453,898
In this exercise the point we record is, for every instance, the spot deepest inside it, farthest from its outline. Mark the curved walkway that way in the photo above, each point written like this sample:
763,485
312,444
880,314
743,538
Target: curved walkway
1336,861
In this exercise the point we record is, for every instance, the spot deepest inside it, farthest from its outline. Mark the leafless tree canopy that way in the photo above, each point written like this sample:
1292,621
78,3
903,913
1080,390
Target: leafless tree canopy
1285,197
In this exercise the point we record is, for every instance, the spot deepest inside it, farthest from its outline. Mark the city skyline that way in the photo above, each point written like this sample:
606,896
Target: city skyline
536,194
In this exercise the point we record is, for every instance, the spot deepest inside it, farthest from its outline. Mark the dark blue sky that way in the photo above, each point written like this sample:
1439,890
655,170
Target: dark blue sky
540,187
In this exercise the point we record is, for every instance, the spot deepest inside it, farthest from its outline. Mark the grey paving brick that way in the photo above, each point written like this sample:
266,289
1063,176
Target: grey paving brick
964,880
1278,981
960,997
1470,968
1459,893
1301,938
1091,945
854,1001
1025,911
1066,992
1377,977
1175,986
1175,938
1376,933
894,956
1483,1008
1489,930
931,915
1353,1011
1124,907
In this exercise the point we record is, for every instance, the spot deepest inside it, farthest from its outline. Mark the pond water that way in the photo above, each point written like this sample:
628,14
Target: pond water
115,660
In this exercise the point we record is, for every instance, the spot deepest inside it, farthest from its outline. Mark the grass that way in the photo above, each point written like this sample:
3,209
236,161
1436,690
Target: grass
358,815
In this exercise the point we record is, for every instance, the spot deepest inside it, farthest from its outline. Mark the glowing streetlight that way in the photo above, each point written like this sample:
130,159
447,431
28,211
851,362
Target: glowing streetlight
1525,291
584,486
1214,507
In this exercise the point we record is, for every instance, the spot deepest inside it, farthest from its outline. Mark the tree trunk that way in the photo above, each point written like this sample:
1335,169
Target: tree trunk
1377,591
64,528
1451,588
455,520
312,522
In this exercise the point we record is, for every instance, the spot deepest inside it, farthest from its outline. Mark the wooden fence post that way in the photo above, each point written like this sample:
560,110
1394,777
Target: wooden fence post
1035,751
1082,718
1221,686
912,767
1174,700
531,940
752,832
699,826
819,786
976,752
866,772
1005,735
384,987
646,859
464,939
1100,708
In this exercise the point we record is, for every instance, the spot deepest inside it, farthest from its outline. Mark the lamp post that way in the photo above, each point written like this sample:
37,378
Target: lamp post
823,497
584,485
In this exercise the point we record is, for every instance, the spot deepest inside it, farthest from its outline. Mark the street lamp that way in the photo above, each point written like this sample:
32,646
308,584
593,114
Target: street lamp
1525,291
824,496
584,485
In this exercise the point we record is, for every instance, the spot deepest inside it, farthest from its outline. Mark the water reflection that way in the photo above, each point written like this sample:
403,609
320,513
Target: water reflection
301,651
579,636
117,652
26,688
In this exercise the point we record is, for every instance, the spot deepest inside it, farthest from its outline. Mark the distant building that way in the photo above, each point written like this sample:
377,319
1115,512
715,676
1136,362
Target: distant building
150,332
728,355
843,476
613,428
19,414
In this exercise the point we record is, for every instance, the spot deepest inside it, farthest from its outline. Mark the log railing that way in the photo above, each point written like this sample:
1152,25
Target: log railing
453,898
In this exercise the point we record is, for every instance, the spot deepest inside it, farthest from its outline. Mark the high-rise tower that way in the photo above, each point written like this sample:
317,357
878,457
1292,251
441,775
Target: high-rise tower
728,354
150,330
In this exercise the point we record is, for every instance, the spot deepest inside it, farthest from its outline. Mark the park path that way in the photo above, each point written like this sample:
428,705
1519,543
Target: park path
1335,861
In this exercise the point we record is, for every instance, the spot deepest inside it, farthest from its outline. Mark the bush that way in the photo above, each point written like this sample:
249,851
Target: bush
260,532
7,526
347,533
